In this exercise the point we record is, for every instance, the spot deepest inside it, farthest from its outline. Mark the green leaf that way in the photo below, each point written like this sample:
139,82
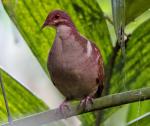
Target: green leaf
135,8
141,120
21,101
138,109
137,68
137,64
29,15
118,115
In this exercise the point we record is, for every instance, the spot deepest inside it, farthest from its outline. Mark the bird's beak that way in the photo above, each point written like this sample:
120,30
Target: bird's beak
44,25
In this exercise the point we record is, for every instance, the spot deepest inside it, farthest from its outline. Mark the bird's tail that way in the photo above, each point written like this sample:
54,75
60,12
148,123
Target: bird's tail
99,91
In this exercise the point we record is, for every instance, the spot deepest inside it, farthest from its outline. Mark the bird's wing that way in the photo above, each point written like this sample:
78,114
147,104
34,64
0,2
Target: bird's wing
101,73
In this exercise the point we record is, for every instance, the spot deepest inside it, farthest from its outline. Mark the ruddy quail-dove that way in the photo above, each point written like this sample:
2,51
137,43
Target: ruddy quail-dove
75,63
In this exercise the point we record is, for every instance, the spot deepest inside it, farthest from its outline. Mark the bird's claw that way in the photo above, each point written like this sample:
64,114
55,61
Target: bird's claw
64,106
86,103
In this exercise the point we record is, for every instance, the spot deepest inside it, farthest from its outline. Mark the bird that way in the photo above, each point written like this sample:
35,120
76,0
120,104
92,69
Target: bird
75,64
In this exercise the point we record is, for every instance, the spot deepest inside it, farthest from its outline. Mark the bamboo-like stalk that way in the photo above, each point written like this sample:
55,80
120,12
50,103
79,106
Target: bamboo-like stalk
98,104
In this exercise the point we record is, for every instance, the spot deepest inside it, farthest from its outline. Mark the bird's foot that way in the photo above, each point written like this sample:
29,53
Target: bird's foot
64,106
86,103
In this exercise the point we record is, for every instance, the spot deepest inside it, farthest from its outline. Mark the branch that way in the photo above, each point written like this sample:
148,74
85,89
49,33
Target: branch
98,104
111,64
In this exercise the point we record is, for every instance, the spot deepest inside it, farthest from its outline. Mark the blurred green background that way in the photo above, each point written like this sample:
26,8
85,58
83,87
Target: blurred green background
24,49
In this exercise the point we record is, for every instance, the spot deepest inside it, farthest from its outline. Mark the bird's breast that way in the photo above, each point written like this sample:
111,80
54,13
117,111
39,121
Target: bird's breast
72,66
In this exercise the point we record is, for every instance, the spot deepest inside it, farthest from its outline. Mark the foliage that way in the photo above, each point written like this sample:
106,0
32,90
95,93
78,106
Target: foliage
21,101
29,15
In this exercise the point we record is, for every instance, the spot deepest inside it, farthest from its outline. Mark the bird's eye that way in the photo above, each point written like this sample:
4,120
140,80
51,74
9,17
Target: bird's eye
57,16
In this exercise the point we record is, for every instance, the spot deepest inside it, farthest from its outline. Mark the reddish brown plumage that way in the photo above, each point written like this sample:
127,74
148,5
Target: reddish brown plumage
74,63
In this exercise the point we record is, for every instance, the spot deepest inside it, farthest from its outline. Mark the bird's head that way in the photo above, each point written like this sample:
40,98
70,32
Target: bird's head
56,18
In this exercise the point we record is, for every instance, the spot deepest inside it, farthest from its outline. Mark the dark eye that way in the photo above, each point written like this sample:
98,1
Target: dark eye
57,16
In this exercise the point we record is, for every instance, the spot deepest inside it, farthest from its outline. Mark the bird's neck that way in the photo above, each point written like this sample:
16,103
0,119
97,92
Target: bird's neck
65,31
